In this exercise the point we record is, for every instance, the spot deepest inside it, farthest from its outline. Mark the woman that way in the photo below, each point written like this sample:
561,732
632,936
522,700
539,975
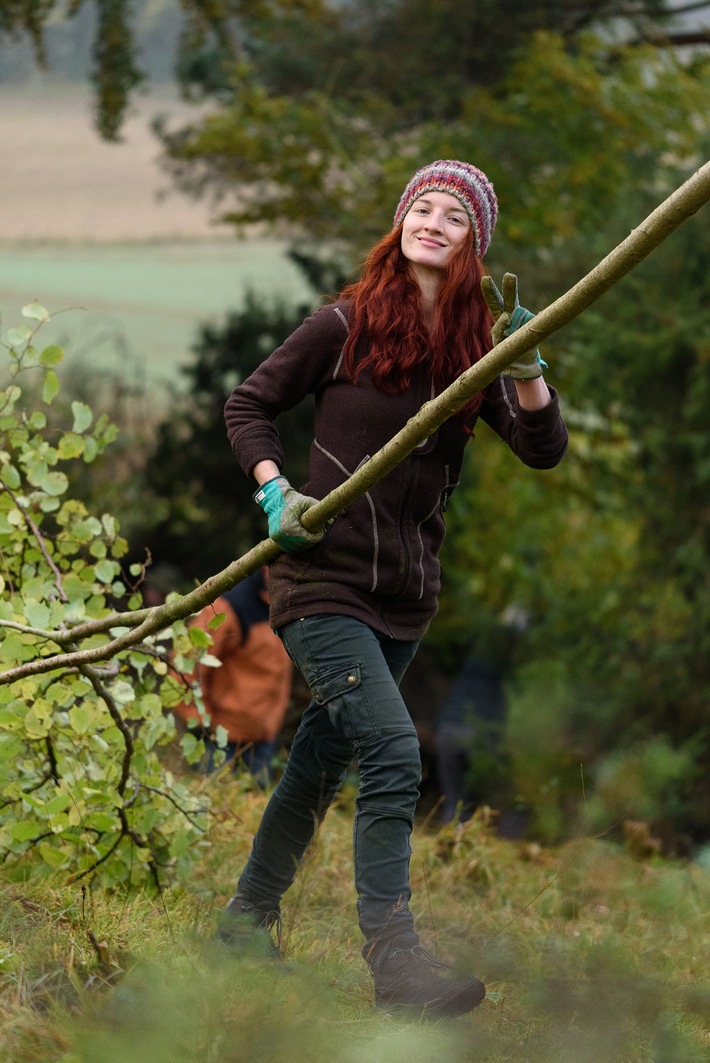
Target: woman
352,606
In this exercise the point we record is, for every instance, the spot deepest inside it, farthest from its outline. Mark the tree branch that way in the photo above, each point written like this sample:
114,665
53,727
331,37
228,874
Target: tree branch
99,688
697,6
668,216
40,542
188,814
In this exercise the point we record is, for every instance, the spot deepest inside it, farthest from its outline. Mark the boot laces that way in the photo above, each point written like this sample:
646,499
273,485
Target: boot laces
270,920
422,956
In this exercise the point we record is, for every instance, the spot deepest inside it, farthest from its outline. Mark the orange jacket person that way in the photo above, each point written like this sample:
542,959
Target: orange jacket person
248,694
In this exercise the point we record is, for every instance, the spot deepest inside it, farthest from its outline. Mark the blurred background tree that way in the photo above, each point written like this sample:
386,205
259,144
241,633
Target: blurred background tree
312,117
200,504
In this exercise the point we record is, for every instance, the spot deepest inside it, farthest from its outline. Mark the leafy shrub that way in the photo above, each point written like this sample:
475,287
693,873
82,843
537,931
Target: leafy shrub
82,784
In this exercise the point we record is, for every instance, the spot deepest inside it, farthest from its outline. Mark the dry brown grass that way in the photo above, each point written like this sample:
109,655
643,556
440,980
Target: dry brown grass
589,956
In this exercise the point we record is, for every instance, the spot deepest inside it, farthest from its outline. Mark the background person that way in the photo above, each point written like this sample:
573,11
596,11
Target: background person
249,693
351,606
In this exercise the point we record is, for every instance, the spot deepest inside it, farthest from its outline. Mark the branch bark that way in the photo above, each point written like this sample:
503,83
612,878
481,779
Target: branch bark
133,628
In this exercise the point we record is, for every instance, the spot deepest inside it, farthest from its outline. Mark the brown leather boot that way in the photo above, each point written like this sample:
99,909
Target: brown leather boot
412,978
247,927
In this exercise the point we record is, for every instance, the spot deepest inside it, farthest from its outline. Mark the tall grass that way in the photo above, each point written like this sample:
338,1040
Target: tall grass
589,956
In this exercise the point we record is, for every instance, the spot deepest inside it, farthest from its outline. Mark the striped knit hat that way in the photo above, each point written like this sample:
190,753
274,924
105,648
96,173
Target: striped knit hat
470,186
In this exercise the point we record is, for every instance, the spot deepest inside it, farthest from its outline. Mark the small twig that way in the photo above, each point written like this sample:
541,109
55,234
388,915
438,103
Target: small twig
78,875
40,542
49,777
27,629
51,756
183,811
99,688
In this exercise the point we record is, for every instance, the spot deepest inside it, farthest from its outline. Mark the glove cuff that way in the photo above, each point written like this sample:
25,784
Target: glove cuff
262,494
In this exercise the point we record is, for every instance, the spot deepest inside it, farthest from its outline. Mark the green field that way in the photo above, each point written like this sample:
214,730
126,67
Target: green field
137,306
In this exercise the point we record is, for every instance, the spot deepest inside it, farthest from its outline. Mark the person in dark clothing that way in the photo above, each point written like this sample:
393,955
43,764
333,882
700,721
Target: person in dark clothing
352,605
470,722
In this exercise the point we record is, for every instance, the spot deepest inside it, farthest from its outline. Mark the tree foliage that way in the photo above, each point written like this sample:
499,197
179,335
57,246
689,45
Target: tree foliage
607,560
82,783
343,50
197,509
559,136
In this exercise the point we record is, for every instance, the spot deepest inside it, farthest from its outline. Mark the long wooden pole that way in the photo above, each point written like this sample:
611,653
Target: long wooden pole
131,628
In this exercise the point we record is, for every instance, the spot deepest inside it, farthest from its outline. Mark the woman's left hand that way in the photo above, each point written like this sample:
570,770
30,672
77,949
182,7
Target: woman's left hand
509,316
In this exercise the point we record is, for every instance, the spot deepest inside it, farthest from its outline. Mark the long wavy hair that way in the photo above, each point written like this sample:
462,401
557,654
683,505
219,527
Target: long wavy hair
386,308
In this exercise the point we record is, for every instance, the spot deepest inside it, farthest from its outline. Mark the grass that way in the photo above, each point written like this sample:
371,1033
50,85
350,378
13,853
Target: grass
589,957
137,307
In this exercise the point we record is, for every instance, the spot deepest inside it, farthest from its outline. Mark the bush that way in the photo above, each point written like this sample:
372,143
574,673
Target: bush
82,785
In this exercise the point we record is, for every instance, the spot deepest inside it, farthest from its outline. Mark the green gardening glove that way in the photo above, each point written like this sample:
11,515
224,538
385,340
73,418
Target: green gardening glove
509,316
284,507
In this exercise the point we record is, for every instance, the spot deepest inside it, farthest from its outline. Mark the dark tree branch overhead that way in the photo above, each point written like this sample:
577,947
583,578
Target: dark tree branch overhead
289,45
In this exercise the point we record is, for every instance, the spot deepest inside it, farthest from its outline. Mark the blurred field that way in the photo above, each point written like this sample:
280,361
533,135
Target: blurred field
137,306
84,229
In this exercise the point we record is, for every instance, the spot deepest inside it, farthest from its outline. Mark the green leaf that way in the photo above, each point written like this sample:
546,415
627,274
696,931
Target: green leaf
123,692
101,821
151,705
23,830
105,570
11,747
55,483
36,727
192,747
70,446
80,718
37,614
200,638
110,526
50,388
91,449
83,416
14,650
35,312
217,620
51,856
10,477
58,804
51,355
16,337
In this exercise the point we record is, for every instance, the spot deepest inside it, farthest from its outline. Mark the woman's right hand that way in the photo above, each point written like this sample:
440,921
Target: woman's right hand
284,506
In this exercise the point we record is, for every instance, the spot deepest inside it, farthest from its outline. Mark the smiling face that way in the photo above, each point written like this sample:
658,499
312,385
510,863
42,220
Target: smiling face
434,228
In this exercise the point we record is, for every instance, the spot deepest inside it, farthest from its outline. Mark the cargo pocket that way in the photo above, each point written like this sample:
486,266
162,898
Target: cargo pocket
344,698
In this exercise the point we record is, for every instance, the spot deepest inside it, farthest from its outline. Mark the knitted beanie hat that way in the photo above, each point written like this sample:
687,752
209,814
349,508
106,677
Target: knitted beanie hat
470,186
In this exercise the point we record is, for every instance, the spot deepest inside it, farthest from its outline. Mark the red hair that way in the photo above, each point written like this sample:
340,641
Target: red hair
386,308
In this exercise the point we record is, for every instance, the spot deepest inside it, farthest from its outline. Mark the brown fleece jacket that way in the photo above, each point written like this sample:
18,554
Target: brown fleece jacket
379,561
